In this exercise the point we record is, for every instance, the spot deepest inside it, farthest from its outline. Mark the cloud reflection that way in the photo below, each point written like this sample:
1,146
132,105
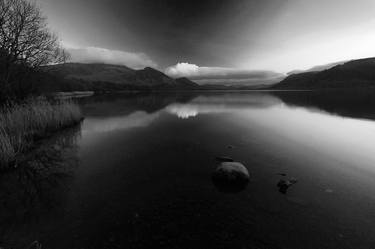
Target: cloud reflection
136,119
183,111
221,104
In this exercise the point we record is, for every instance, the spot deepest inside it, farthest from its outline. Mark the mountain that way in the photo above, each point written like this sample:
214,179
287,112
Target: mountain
153,77
317,68
352,74
92,72
185,82
104,77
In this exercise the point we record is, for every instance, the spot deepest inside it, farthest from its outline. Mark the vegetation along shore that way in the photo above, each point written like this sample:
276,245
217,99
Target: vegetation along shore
22,124
26,46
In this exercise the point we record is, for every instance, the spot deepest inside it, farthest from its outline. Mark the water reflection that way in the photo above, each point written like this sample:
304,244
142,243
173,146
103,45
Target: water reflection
355,103
145,175
125,111
300,117
222,103
102,106
146,170
183,111
185,105
36,190
133,120
305,123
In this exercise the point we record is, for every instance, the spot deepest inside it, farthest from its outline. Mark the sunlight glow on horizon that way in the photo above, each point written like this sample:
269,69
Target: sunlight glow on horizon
302,56
305,34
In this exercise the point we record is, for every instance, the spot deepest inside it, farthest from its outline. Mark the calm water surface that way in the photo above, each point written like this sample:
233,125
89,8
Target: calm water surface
137,174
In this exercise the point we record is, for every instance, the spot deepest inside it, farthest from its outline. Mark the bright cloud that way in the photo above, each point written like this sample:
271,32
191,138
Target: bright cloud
107,56
183,70
222,75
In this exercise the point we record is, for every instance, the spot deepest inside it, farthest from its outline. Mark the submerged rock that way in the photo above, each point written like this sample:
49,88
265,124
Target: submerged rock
224,159
231,177
283,185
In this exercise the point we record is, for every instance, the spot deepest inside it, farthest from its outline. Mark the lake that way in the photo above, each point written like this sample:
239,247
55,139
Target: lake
137,174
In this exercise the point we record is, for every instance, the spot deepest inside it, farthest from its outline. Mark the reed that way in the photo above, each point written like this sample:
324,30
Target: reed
24,123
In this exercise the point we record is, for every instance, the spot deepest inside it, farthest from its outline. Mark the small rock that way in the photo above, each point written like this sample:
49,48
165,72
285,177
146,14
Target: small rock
230,146
283,185
293,180
281,174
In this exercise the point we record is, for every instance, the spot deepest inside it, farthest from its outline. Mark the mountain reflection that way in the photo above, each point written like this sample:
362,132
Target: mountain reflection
103,106
108,113
355,104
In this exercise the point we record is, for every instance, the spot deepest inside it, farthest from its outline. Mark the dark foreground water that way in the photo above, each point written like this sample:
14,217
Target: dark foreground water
137,174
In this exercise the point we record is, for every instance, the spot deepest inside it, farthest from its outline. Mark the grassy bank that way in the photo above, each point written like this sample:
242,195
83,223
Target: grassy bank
23,124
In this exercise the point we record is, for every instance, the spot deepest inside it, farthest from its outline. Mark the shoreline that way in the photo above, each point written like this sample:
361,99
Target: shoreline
37,144
23,125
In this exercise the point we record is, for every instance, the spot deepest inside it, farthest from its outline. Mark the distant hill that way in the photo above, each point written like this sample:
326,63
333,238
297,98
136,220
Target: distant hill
317,68
104,77
185,82
352,74
92,72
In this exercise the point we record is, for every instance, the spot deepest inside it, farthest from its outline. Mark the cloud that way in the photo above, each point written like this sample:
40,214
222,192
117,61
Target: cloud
107,56
223,75
183,70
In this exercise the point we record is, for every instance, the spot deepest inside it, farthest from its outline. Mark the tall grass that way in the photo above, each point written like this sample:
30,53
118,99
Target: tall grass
22,124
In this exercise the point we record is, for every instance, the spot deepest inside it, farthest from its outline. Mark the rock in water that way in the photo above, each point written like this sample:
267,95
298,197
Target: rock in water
283,185
231,177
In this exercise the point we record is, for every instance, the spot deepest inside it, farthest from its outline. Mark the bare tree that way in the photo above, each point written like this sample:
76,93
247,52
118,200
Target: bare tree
25,39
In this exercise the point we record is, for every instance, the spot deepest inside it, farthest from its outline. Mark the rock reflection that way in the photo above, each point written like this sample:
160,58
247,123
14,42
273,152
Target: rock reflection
37,188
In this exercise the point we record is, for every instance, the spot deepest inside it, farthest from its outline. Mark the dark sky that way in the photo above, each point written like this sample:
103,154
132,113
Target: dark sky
205,32
278,35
